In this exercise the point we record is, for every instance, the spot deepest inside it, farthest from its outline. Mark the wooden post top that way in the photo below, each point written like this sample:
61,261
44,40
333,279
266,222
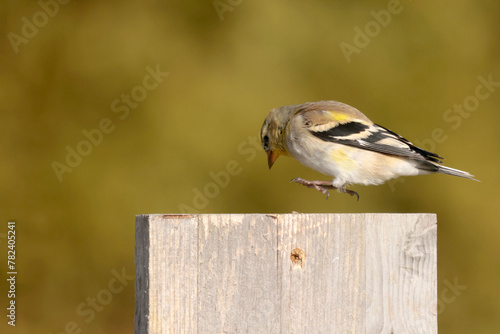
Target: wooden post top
286,273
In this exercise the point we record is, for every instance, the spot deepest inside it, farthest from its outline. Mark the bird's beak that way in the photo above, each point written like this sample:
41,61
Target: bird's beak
271,158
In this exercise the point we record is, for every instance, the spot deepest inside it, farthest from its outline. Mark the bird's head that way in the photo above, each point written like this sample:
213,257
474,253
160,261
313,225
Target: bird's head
273,133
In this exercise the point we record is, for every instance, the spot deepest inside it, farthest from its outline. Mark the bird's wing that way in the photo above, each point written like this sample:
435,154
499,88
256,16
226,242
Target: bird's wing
363,134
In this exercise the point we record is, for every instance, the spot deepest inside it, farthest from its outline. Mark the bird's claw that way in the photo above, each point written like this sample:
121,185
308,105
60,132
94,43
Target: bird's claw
323,190
350,192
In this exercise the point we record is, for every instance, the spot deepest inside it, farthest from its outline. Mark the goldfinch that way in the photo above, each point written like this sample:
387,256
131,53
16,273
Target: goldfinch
336,139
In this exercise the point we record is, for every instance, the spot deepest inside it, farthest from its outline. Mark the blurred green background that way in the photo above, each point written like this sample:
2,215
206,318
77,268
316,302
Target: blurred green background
67,69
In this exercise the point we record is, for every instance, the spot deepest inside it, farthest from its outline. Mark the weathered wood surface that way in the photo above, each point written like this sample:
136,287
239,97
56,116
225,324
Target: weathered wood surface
286,273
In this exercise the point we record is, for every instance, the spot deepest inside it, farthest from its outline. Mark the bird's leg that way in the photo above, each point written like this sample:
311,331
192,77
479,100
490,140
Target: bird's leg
322,186
318,185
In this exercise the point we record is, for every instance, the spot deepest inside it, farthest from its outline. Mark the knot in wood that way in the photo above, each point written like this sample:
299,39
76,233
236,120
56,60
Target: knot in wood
298,259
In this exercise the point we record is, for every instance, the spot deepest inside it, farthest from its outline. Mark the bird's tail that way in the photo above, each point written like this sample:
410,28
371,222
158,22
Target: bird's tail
455,172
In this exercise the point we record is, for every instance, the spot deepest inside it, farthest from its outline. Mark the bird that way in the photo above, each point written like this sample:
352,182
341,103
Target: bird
338,140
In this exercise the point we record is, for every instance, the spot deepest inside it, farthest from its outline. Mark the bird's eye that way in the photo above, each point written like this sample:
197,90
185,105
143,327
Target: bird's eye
265,142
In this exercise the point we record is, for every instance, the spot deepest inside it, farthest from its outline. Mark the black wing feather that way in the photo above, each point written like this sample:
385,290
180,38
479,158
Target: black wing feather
372,141
428,155
341,130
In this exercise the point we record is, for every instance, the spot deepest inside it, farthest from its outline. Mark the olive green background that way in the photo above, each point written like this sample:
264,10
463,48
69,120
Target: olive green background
227,67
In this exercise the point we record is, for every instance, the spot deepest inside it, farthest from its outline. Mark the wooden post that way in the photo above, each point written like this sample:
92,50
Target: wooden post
286,273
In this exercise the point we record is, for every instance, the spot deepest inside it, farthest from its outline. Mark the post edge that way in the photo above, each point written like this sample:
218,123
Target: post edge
141,314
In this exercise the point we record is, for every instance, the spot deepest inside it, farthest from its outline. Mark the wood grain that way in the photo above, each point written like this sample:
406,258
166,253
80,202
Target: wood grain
286,273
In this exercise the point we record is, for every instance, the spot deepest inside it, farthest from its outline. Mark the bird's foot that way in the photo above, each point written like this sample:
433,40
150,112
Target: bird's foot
322,186
350,192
